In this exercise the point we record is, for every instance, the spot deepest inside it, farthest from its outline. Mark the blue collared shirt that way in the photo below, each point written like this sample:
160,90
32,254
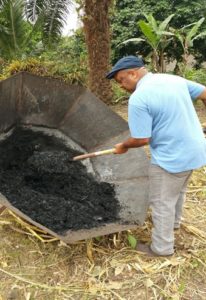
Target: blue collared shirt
161,109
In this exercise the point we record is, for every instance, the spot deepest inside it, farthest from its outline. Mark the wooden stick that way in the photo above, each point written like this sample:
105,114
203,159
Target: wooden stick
94,154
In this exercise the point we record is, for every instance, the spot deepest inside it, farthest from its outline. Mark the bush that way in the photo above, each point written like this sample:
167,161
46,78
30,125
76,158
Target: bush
67,61
31,65
195,75
120,95
59,70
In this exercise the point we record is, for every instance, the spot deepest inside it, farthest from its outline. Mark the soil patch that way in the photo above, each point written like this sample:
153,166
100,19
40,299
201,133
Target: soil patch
38,177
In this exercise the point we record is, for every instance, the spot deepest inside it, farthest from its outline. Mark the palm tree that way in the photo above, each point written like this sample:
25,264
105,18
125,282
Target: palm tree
20,20
157,36
97,34
47,18
12,27
50,16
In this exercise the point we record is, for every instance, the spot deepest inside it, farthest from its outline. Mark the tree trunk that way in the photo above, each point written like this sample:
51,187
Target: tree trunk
97,34
155,61
185,56
162,62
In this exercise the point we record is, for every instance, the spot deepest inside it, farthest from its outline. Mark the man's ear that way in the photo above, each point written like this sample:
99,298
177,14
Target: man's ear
133,73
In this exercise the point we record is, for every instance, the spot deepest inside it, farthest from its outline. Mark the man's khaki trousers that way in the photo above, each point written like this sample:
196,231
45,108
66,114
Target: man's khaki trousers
167,192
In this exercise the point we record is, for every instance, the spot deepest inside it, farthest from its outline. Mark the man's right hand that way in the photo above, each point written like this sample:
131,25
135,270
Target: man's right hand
120,148
130,143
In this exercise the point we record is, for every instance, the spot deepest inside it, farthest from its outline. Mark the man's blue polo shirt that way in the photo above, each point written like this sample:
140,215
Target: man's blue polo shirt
161,108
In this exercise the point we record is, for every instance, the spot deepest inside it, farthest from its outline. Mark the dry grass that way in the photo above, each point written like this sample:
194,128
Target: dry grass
34,267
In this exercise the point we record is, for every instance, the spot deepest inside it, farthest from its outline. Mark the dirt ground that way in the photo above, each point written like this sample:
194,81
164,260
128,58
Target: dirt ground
36,267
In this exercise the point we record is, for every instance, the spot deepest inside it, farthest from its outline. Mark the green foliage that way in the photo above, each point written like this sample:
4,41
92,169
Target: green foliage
98,238
182,287
2,64
50,16
155,32
192,34
13,29
17,36
43,68
31,65
128,12
187,34
195,75
34,9
24,24
132,241
67,62
69,58
123,25
120,95
149,34
157,36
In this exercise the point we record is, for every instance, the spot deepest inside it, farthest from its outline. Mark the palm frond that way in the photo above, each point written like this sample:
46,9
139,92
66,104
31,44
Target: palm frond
12,14
187,26
165,23
167,33
194,30
149,34
135,40
2,2
180,38
200,35
55,17
152,22
34,9
166,43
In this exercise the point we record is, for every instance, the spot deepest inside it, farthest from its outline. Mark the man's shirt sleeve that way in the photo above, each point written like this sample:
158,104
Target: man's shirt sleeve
195,89
140,121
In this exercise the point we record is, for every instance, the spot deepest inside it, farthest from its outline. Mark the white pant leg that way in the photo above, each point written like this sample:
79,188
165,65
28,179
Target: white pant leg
165,189
179,204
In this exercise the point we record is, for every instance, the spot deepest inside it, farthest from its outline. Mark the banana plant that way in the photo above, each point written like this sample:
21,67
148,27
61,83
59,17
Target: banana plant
157,36
187,35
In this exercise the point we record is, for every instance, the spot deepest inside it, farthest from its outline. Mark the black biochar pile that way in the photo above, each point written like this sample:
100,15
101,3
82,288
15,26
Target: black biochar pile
38,176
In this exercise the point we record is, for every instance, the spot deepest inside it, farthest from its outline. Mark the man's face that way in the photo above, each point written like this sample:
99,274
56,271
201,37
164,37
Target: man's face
127,79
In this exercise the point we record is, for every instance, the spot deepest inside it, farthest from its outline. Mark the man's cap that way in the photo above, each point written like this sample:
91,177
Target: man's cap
127,62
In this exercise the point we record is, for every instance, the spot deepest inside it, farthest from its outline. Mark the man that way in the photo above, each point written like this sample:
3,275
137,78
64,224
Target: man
161,114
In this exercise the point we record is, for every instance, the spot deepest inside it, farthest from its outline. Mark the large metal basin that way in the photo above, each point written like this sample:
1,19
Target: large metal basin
76,113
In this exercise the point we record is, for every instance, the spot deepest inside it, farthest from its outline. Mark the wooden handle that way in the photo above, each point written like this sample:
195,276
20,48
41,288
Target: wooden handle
94,154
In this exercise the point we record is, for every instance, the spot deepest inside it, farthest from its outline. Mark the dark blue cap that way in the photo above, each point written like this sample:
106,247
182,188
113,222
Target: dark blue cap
127,62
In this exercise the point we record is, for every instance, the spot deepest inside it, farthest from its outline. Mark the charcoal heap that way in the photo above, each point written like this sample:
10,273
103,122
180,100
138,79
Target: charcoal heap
38,176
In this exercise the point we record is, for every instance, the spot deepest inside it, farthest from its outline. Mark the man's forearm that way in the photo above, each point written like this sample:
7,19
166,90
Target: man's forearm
202,96
204,101
130,143
135,143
